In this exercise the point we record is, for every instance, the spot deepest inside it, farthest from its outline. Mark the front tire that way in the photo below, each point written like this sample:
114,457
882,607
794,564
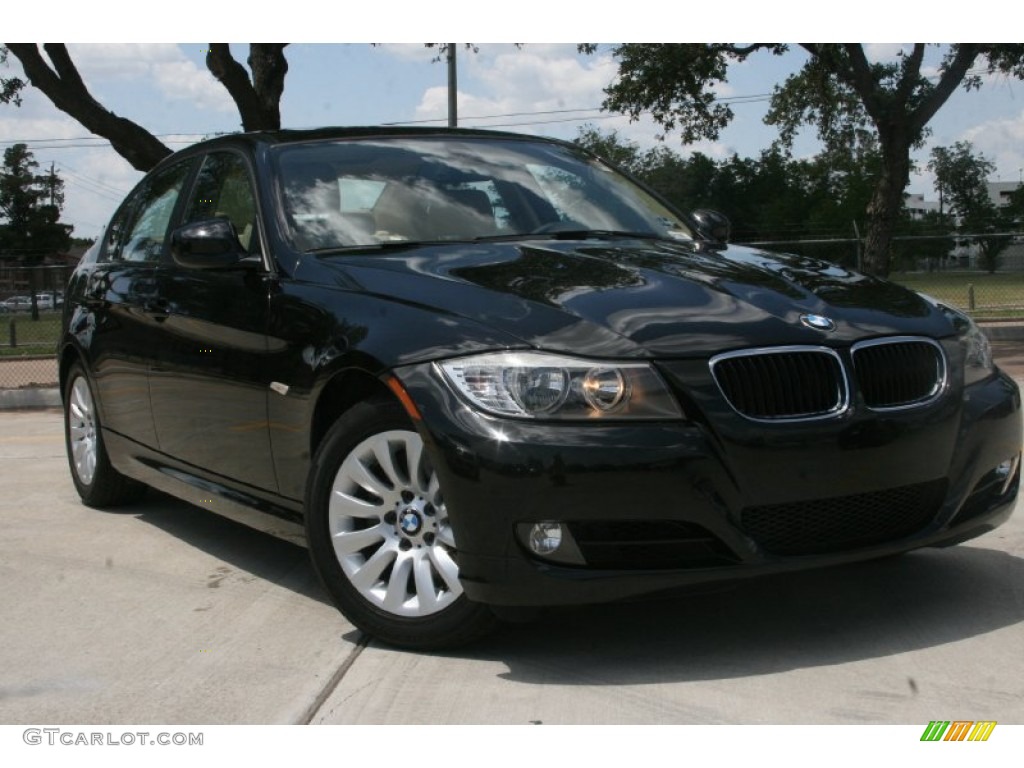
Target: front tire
97,482
380,537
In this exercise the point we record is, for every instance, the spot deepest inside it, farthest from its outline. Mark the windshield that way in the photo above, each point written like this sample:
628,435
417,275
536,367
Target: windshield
366,192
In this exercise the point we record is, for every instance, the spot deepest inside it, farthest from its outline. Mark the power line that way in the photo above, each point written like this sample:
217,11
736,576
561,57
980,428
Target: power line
97,141
93,180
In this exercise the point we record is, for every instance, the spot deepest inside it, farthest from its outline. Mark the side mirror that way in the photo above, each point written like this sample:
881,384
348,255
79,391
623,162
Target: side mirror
712,225
208,244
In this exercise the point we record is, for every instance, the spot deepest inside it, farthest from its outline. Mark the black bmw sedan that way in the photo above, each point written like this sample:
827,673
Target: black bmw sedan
477,370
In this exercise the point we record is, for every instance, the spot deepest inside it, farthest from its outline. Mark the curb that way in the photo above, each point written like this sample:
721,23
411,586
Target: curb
34,397
1003,331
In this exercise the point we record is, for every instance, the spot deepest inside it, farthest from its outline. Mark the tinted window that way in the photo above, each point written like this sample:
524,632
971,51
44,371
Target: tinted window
139,230
223,190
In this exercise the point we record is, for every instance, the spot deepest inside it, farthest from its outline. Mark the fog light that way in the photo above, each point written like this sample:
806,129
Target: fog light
545,538
1006,472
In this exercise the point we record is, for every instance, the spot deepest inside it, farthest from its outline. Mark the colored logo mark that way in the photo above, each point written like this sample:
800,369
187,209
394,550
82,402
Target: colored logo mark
958,730
818,322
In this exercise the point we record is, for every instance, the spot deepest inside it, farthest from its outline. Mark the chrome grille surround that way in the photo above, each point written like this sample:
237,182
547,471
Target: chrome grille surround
778,392
912,372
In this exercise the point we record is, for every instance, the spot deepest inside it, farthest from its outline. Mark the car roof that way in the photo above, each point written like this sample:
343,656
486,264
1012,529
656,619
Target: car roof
295,136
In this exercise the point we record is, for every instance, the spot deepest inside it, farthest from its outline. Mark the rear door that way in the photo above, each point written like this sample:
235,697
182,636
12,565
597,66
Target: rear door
120,303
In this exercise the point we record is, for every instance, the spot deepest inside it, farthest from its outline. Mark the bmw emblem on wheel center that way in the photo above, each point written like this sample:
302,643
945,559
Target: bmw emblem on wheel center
409,523
818,322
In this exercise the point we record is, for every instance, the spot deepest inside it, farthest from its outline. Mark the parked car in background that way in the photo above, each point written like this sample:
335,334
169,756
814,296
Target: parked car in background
475,371
16,304
45,301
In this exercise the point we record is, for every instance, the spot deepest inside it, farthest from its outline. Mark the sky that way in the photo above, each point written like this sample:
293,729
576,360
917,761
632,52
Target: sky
542,88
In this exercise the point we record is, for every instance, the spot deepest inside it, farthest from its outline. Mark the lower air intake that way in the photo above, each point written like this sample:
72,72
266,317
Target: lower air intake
843,522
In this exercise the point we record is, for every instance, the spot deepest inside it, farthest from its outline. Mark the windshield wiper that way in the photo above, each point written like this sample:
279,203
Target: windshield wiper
572,234
385,245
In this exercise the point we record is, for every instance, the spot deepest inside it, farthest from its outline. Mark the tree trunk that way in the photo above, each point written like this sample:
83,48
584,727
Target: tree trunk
259,99
886,204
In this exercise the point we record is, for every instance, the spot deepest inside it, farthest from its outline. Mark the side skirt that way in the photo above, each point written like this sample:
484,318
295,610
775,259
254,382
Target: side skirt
183,482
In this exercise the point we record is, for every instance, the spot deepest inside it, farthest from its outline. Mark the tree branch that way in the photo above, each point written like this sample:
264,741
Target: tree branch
66,69
65,88
860,78
258,100
966,53
742,51
235,79
269,66
910,74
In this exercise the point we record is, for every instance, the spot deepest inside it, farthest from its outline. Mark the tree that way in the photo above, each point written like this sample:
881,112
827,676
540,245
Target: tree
853,103
257,96
961,179
30,206
771,197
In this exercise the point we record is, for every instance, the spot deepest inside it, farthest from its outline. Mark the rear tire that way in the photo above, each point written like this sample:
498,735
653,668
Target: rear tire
97,482
379,534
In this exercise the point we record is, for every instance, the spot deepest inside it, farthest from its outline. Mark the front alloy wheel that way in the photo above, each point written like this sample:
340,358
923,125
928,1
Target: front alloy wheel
380,537
389,527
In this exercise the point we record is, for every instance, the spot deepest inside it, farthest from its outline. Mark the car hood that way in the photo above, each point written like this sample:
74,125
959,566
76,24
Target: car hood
642,298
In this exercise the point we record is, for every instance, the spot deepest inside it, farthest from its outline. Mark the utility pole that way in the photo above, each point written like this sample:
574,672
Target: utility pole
453,87
856,233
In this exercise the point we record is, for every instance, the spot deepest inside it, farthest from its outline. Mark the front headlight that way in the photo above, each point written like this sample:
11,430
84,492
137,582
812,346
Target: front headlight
537,385
978,363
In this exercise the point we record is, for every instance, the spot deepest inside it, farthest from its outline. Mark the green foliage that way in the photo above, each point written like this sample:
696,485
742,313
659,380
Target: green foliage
30,206
814,96
10,87
771,197
960,180
856,106
676,84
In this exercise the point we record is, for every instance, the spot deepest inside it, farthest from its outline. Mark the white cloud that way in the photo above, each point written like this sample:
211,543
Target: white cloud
95,183
885,52
516,86
25,127
175,76
1002,142
410,51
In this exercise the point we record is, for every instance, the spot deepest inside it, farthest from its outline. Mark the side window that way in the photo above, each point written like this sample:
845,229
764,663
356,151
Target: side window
223,190
114,240
138,231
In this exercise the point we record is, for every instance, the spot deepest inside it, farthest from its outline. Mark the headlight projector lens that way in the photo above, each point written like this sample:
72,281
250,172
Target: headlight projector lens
604,389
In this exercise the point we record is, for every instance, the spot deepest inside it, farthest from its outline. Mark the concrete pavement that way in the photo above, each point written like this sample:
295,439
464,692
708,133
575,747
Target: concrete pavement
165,613
158,612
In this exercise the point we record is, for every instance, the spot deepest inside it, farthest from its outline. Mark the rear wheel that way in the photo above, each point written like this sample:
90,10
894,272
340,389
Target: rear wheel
97,482
380,536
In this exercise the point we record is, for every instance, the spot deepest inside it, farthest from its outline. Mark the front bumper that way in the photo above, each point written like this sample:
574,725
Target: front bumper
653,506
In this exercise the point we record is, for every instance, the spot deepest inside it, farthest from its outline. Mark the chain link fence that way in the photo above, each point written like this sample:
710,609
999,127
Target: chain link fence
31,300
951,268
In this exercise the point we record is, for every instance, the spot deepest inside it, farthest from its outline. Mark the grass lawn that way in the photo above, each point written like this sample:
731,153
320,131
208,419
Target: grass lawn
34,337
996,296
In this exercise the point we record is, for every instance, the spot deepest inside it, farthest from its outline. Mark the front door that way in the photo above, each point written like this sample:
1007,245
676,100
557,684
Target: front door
209,385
